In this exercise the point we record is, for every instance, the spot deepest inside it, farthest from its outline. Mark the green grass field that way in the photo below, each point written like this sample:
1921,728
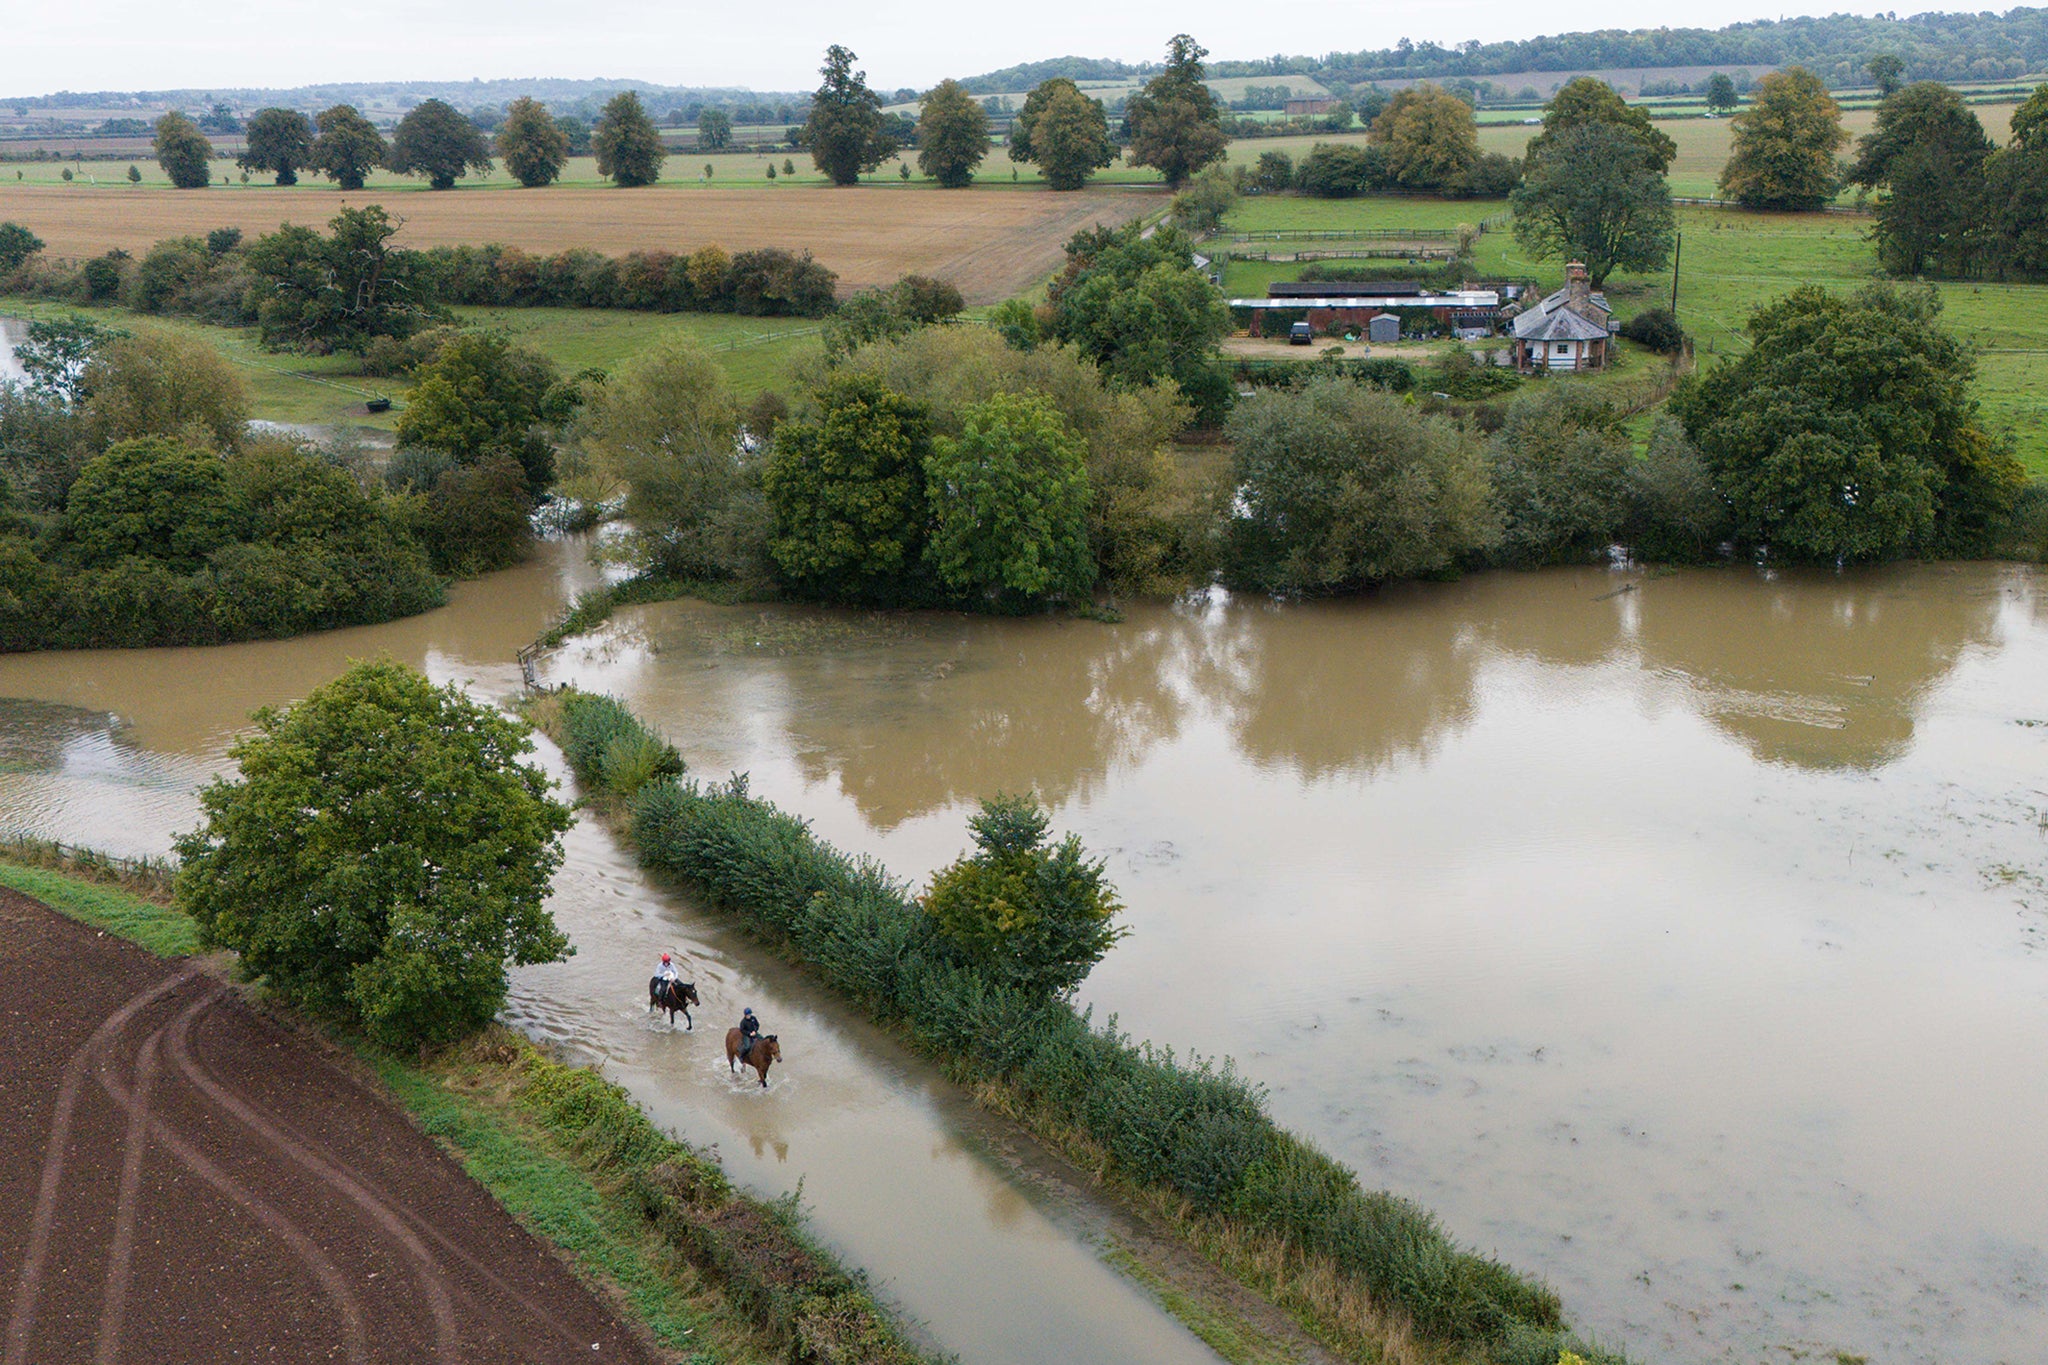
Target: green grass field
1730,262
756,353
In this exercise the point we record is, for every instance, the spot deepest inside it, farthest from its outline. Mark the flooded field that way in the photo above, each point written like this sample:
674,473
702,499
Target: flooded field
1683,939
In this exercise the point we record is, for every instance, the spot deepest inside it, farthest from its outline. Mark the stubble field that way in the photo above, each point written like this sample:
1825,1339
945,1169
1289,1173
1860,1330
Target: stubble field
993,242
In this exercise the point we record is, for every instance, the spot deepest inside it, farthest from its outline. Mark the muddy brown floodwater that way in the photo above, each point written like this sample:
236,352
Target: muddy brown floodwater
1683,939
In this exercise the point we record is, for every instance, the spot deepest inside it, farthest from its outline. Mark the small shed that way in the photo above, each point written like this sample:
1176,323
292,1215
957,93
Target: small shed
1383,330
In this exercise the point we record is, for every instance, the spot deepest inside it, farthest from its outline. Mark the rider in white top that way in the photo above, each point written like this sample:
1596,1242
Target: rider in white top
667,971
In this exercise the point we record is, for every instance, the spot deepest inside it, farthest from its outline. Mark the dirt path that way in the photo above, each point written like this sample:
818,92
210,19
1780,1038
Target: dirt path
181,1179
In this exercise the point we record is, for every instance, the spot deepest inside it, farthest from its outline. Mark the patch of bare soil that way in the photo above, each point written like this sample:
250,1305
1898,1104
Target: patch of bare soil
184,1180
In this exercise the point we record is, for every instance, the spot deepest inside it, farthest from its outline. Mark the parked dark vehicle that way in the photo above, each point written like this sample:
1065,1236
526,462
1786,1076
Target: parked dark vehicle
1300,334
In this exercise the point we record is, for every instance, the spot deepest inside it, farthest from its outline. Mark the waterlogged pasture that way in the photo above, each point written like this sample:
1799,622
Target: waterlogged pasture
1678,938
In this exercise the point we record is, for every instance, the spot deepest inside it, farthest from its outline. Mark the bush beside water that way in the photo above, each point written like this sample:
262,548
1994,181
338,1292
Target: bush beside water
1185,1127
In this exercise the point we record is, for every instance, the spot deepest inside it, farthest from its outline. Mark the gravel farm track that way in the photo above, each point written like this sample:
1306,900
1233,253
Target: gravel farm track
993,242
184,1179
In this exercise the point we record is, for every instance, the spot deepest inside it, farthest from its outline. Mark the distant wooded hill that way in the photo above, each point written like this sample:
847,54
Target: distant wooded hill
563,96
1944,47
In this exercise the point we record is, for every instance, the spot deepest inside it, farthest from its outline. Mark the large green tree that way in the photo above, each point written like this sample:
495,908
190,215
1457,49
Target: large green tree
1142,512
1009,504
153,498
183,151
151,383
627,144
1175,121
483,397
714,130
1887,73
382,855
666,427
1139,308
2029,123
17,244
846,490
1925,157
1429,136
1587,198
1588,99
844,132
1064,132
439,143
531,144
1848,431
347,147
1022,911
1783,152
280,141
952,135
1338,485
1721,95
2016,195
1559,466
338,292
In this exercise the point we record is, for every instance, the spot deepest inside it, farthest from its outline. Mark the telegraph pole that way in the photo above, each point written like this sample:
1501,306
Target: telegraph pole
1677,250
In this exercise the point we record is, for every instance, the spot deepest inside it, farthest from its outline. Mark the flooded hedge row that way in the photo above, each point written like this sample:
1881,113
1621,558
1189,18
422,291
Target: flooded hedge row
1196,1131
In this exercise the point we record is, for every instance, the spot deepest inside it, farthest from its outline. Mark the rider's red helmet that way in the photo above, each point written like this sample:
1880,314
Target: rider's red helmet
664,957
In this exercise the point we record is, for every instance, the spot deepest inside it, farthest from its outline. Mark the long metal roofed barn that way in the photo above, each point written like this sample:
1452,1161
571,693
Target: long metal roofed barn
1334,304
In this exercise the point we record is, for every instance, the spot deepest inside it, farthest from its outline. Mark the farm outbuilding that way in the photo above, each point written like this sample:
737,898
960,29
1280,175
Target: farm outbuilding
1338,310
1383,330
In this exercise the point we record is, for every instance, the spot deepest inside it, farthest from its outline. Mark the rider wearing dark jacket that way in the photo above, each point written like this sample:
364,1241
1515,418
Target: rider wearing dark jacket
750,1029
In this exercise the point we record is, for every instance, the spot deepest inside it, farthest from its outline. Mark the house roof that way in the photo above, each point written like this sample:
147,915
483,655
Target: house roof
1562,325
1553,320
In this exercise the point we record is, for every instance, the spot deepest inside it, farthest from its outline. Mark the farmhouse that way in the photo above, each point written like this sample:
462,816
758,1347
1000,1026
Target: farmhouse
1567,331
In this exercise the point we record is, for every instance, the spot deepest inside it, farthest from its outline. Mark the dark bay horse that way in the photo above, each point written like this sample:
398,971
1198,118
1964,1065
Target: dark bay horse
764,1054
675,997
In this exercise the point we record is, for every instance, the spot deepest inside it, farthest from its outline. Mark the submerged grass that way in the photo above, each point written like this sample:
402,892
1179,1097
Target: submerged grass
1368,1272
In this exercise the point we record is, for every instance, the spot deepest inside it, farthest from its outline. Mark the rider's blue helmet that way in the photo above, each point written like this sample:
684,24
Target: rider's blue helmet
748,1010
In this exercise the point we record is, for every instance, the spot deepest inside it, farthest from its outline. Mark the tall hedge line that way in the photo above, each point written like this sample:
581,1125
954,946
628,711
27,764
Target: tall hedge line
1190,1128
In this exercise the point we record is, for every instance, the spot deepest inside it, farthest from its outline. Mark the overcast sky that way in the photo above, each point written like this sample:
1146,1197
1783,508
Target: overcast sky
49,45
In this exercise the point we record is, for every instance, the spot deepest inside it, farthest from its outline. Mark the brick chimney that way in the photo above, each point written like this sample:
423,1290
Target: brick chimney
1577,289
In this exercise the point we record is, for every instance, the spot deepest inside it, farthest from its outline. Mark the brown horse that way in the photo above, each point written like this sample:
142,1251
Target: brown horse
674,996
764,1054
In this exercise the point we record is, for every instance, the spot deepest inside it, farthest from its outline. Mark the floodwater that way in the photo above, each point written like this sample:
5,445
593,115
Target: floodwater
1682,939
10,368
988,1257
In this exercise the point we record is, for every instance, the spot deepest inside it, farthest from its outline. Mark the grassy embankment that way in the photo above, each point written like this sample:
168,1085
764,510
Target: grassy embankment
1732,261
646,1221
1185,1143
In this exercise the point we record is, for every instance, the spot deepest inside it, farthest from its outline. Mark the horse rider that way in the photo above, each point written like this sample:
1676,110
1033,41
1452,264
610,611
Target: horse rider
667,974
750,1029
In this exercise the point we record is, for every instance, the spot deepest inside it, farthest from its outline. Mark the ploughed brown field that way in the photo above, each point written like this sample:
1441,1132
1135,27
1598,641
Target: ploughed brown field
992,243
183,1180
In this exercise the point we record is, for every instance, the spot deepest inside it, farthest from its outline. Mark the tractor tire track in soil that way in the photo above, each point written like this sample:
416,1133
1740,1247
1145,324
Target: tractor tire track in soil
227,1190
